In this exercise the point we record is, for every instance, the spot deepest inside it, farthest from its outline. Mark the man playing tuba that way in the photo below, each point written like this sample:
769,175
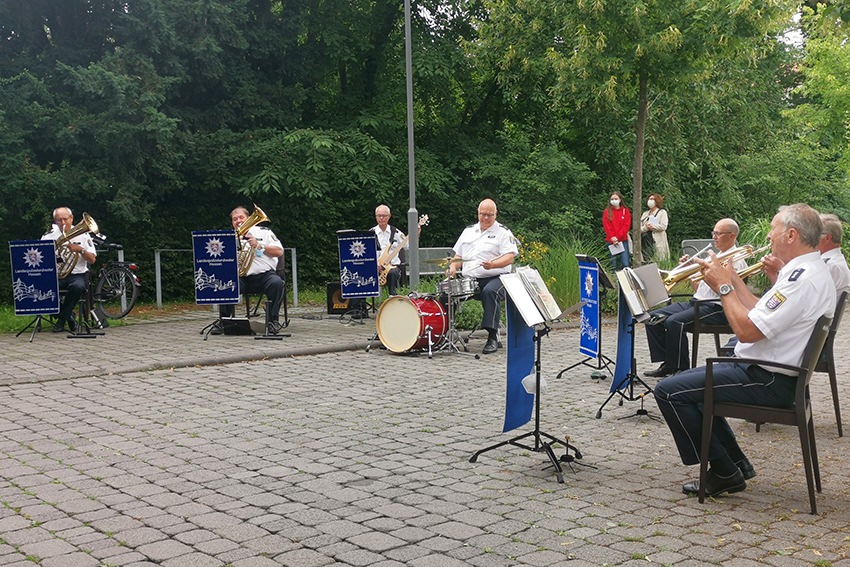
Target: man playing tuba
261,276
79,250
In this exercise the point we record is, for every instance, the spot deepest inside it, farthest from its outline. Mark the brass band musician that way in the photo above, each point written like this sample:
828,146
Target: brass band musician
486,250
83,253
668,342
262,277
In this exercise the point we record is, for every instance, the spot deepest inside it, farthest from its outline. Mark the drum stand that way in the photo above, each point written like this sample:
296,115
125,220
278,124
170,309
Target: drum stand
453,336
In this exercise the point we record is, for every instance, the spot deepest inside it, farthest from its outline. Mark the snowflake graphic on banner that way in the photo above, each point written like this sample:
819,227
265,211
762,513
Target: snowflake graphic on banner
357,248
33,257
215,247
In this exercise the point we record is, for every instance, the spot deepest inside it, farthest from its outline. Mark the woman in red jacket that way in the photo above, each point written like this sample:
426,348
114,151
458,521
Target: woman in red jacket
617,220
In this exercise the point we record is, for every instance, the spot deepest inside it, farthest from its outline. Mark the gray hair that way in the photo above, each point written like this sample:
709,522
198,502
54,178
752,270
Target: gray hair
832,226
804,220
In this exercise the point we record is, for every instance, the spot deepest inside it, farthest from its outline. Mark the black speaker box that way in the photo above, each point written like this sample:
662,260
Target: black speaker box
336,304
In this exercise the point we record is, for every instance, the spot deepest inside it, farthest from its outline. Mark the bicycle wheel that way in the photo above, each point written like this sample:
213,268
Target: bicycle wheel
116,292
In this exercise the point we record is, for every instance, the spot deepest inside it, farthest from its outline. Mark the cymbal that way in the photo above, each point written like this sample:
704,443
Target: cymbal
443,261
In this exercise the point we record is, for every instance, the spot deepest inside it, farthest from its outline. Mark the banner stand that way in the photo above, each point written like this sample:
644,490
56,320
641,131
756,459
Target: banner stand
595,284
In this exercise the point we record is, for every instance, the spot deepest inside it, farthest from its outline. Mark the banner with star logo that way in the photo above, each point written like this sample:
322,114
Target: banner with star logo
588,273
358,263
34,281
216,267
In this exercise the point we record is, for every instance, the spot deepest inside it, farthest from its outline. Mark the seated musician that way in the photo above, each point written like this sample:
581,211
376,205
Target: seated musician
83,253
668,342
486,250
262,276
389,239
830,252
775,327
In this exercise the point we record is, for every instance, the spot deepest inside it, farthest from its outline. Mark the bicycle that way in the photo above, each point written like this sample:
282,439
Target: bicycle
115,291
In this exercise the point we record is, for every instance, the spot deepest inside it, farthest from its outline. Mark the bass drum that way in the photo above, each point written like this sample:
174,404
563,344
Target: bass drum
403,322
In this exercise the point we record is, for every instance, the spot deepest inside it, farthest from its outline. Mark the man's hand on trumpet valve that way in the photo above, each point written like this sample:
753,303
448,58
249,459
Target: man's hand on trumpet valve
716,273
772,265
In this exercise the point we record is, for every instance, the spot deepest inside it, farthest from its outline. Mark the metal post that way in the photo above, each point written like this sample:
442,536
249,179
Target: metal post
158,276
412,213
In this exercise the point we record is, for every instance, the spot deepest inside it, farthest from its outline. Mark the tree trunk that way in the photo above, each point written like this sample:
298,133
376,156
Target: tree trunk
637,171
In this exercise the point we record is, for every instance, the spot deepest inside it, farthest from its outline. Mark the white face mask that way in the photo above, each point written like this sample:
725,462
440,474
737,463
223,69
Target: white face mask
650,203
615,202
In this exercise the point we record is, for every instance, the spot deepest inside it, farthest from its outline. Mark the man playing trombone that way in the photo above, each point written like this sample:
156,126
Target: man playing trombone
668,342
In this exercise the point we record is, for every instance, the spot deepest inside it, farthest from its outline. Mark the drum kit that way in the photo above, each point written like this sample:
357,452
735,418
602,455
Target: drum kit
425,322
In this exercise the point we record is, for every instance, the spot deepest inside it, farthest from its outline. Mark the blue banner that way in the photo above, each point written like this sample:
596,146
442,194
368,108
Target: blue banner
519,404
35,284
588,275
358,263
625,344
216,266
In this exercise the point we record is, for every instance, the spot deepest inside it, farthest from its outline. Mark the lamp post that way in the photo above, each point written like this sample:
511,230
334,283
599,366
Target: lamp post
412,213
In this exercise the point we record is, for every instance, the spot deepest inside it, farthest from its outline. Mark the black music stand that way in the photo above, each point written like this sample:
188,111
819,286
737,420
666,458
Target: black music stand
36,328
515,288
636,295
602,361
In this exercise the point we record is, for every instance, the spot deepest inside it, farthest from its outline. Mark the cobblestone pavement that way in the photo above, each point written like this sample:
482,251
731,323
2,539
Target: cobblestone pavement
150,446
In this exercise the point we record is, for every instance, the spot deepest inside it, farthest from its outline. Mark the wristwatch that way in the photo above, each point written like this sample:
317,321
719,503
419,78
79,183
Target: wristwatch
725,289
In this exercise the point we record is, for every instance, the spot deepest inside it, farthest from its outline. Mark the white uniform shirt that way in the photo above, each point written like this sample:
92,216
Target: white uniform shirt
705,292
836,263
787,312
476,247
384,241
263,263
83,240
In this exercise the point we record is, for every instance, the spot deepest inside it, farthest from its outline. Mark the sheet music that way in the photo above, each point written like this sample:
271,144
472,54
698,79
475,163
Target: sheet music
515,287
539,293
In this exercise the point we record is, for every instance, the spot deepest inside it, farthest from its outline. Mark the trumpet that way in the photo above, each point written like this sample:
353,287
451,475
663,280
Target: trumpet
749,270
673,277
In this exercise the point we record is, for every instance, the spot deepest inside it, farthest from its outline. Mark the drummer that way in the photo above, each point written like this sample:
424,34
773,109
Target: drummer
486,250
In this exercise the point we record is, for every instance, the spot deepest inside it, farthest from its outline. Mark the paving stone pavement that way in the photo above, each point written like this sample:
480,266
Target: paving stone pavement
150,446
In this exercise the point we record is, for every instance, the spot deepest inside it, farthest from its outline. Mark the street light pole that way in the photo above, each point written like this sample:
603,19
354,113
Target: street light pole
412,213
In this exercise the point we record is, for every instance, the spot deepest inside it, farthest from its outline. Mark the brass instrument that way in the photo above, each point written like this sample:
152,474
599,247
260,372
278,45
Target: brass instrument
66,258
749,270
673,277
245,254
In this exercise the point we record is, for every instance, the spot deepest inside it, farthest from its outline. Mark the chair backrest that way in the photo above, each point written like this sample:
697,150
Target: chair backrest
833,330
280,270
815,345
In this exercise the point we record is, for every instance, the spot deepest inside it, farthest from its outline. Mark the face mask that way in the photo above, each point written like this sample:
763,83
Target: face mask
615,202
650,203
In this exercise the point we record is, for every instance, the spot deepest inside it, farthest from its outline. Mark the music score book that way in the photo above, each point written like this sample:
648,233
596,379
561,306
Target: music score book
531,296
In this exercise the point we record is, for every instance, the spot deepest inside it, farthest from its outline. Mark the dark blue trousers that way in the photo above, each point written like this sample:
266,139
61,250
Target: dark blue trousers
680,397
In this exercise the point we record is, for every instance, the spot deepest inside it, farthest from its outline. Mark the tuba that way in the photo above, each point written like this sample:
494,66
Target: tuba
66,259
245,254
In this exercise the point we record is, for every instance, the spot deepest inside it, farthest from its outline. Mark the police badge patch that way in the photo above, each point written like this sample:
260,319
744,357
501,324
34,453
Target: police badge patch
775,301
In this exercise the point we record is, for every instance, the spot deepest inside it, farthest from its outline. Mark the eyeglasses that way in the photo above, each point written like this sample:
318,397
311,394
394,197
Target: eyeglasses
486,215
715,233
381,216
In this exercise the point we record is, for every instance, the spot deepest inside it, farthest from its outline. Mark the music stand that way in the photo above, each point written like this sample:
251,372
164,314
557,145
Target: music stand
527,301
639,289
602,361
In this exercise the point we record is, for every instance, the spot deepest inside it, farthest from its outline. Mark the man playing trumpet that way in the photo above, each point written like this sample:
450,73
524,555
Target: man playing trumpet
668,342
75,283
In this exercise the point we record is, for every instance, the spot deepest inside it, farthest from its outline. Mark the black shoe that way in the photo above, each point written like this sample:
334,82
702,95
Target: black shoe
58,328
747,468
662,371
490,346
72,325
216,330
715,485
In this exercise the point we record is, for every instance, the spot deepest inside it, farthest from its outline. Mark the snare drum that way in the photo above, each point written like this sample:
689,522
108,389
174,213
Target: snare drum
402,323
458,287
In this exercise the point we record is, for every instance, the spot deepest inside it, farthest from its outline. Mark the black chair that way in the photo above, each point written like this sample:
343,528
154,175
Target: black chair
799,414
698,328
826,363
253,310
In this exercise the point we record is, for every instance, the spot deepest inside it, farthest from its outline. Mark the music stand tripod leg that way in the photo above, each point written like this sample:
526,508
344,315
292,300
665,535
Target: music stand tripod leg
35,324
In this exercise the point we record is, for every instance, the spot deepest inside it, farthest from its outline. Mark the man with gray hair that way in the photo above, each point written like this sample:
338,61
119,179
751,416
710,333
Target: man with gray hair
668,341
775,327
831,254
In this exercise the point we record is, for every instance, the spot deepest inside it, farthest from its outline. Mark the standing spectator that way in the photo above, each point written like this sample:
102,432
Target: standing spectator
617,220
653,228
